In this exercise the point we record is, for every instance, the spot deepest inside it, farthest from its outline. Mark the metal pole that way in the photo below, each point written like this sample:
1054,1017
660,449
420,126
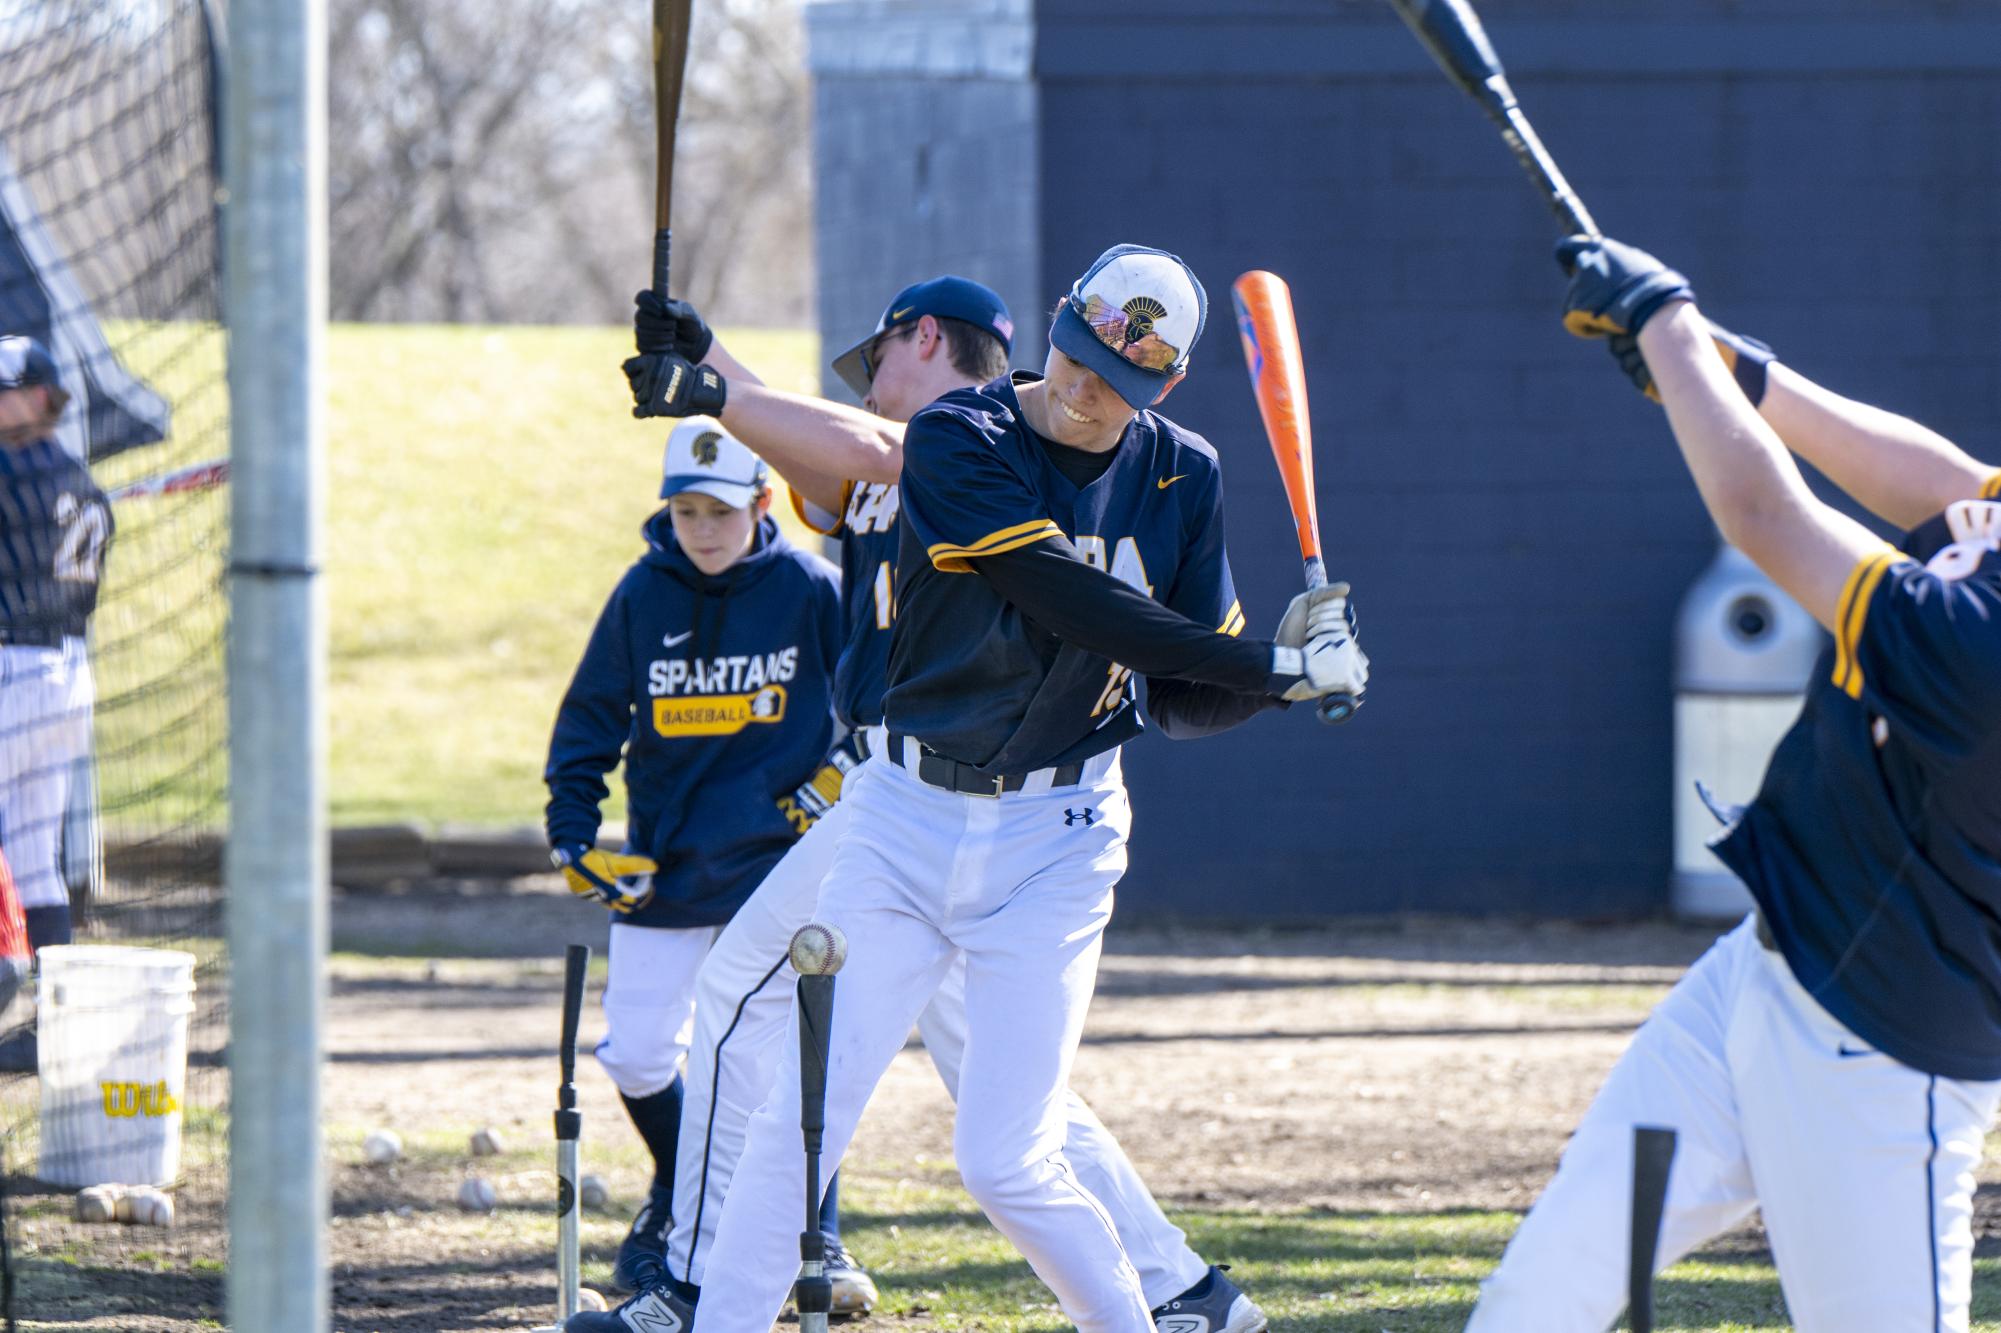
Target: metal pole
275,867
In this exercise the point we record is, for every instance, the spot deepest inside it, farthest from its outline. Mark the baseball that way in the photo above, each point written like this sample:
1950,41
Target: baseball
485,1143
382,1145
593,1193
476,1195
818,950
590,1300
99,1203
152,1208
121,1207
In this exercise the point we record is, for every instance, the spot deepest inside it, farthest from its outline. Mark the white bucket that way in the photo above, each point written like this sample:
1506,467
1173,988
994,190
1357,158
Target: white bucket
113,1039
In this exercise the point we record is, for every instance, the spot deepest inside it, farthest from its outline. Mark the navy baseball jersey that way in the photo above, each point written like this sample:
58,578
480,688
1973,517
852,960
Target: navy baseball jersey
717,690
55,525
1874,845
867,530
970,674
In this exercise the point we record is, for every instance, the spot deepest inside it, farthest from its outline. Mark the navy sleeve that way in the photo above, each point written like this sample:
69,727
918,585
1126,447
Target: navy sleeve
1921,644
1053,586
961,499
592,727
1205,592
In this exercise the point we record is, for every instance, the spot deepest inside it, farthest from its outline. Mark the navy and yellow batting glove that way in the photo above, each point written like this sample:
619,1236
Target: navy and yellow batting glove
667,385
1748,359
621,882
1614,288
819,793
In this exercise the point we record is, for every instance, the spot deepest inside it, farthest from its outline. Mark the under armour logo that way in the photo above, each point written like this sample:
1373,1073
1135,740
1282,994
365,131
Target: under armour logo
1087,816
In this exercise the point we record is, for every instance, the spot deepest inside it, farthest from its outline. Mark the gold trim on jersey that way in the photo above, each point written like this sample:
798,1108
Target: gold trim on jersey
1233,623
799,503
952,559
1851,613
1992,490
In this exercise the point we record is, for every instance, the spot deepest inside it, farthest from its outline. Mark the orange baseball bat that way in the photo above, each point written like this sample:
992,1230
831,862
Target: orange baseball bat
1278,379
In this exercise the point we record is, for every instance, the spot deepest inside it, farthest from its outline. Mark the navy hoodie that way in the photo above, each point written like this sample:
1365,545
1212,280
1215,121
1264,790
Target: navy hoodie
719,692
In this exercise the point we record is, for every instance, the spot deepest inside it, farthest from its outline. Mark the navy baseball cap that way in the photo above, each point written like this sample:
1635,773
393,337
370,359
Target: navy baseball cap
1132,319
948,297
24,361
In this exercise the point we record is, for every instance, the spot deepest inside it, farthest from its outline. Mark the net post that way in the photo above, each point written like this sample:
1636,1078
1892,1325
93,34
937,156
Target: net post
276,861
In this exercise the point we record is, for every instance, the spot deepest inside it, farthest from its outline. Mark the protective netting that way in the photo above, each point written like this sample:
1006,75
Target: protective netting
109,238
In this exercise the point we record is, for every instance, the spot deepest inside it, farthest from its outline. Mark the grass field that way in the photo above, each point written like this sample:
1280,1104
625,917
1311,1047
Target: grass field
485,491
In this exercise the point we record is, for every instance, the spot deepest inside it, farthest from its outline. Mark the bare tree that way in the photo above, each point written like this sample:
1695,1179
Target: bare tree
493,161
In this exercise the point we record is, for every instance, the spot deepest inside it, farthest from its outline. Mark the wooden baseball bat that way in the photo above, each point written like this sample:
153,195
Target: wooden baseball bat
1451,31
670,62
1278,379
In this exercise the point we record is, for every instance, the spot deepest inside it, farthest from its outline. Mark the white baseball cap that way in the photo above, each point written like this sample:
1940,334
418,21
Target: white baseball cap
703,457
1133,318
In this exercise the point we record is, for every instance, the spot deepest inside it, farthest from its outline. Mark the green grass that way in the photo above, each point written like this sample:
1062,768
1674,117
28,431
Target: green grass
486,488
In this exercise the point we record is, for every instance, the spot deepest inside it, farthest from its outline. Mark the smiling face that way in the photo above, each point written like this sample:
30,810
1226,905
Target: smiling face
1079,409
714,535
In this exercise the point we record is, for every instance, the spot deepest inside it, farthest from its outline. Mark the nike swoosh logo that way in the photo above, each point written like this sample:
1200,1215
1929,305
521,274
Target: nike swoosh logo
899,314
1845,1053
1164,483
673,639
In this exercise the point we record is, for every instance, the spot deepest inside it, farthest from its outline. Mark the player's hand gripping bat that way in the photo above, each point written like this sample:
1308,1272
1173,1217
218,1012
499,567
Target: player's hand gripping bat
1278,378
1451,31
670,61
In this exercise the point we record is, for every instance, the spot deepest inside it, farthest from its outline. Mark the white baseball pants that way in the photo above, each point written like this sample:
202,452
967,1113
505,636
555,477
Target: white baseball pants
743,1001
1022,884
649,1003
45,703
1863,1166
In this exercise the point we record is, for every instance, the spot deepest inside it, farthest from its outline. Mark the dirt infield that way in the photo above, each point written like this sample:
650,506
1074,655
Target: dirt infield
1407,1068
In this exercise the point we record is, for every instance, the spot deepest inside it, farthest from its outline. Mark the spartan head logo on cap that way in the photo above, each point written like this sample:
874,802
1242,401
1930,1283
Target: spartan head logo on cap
1133,318
706,447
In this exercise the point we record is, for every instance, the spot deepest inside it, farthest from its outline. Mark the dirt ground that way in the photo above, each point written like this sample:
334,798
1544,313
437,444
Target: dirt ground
1416,1066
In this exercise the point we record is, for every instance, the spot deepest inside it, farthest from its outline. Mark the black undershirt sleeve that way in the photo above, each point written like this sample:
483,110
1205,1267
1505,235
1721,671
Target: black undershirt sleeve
1052,585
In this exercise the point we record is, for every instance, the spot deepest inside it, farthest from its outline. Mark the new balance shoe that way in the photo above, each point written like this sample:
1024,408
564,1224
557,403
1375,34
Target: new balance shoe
854,1289
1213,1305
642,1257
655,1310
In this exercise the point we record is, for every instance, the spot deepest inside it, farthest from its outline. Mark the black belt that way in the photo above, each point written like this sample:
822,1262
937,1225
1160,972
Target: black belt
951,775
31,638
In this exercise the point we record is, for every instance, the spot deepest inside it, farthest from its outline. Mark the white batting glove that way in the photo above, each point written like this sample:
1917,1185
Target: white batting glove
1314,612
1332,664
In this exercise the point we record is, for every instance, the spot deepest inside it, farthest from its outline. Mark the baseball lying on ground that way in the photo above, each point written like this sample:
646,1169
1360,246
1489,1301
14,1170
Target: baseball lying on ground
99,1203
152,1207
485,1143
382,1145
818,950
590,1300
593,1193
476,1195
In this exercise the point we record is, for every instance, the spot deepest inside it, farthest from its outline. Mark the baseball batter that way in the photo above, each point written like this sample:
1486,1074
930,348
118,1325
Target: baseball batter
711,672
1057,536
55,525
934,337
1832,1061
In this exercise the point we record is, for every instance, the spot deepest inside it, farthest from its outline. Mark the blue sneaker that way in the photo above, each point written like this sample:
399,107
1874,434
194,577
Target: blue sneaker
642,1257
655,1310
1213,1305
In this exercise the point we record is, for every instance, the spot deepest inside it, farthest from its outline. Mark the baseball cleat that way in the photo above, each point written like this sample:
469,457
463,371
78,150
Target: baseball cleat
1213,1305
854,1289
655,1310
642,1257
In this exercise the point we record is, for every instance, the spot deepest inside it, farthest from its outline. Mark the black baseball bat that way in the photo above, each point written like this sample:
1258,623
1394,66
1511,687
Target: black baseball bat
1451,31
1653,1155
814,1292
670,62
569,1128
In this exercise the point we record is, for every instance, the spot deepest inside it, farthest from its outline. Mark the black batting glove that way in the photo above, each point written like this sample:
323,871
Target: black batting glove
666,385
1748,359
660,324
1614,288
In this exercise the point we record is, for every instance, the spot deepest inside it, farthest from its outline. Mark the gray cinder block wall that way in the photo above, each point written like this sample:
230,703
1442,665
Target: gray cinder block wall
1515,519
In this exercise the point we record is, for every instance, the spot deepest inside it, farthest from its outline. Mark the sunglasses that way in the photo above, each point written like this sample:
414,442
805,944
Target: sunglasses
871,361
1129,330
